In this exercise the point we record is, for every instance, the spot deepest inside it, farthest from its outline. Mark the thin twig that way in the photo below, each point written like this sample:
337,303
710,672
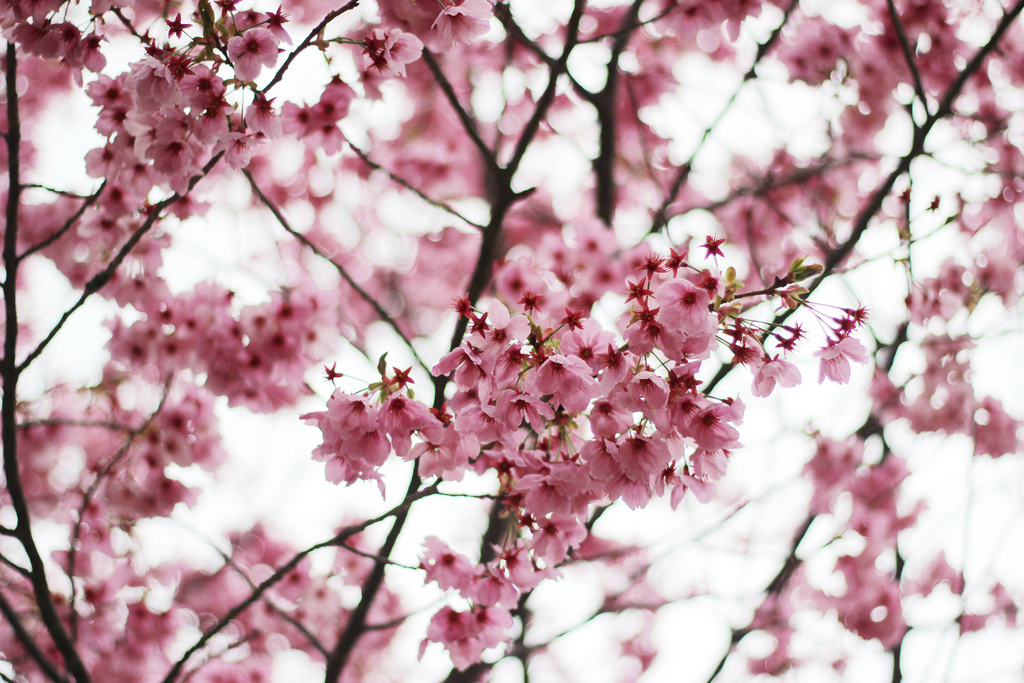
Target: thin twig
87,497
660,219
468,123
48,668
309,635
89,201
11,563
308,40
366,296
53,190
908,54
375,558
112,426
365,158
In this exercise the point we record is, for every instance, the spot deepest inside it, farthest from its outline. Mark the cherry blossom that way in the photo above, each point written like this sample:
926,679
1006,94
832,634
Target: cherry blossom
774,372
251,51
463,21
388,53
836,357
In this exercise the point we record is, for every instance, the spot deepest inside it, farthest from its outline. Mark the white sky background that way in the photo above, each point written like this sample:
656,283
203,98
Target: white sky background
271,476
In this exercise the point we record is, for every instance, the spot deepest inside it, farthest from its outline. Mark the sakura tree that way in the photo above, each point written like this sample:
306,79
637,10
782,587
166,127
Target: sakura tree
517,281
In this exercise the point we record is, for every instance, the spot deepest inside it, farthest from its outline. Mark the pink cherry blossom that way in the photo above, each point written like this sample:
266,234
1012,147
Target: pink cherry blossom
567,378
401,416
572,293
836,357
260,117
387,53
445,566
463,21
251,51
684,307
772,372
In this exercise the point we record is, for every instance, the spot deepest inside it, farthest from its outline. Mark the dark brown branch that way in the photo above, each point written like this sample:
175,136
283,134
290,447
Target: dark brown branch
873,204
497,524
128,25
872,426
25,638
468,123
770,182
11,372
112,426
10,563
604,103
502,199
374,557
897,649
311,637
356,625
365,158
774,589
572,31
503,196
53,190
945,108
630,28
908,54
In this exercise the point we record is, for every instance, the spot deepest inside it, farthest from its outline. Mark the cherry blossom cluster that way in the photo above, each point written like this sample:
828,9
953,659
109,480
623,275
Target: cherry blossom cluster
255,355
569,415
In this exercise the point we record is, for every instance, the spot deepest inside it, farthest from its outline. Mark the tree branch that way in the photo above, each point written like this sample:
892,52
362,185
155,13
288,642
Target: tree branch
604,103
572,31
504,197
908,54
48,668
371,586
468,124
365,158
11,373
